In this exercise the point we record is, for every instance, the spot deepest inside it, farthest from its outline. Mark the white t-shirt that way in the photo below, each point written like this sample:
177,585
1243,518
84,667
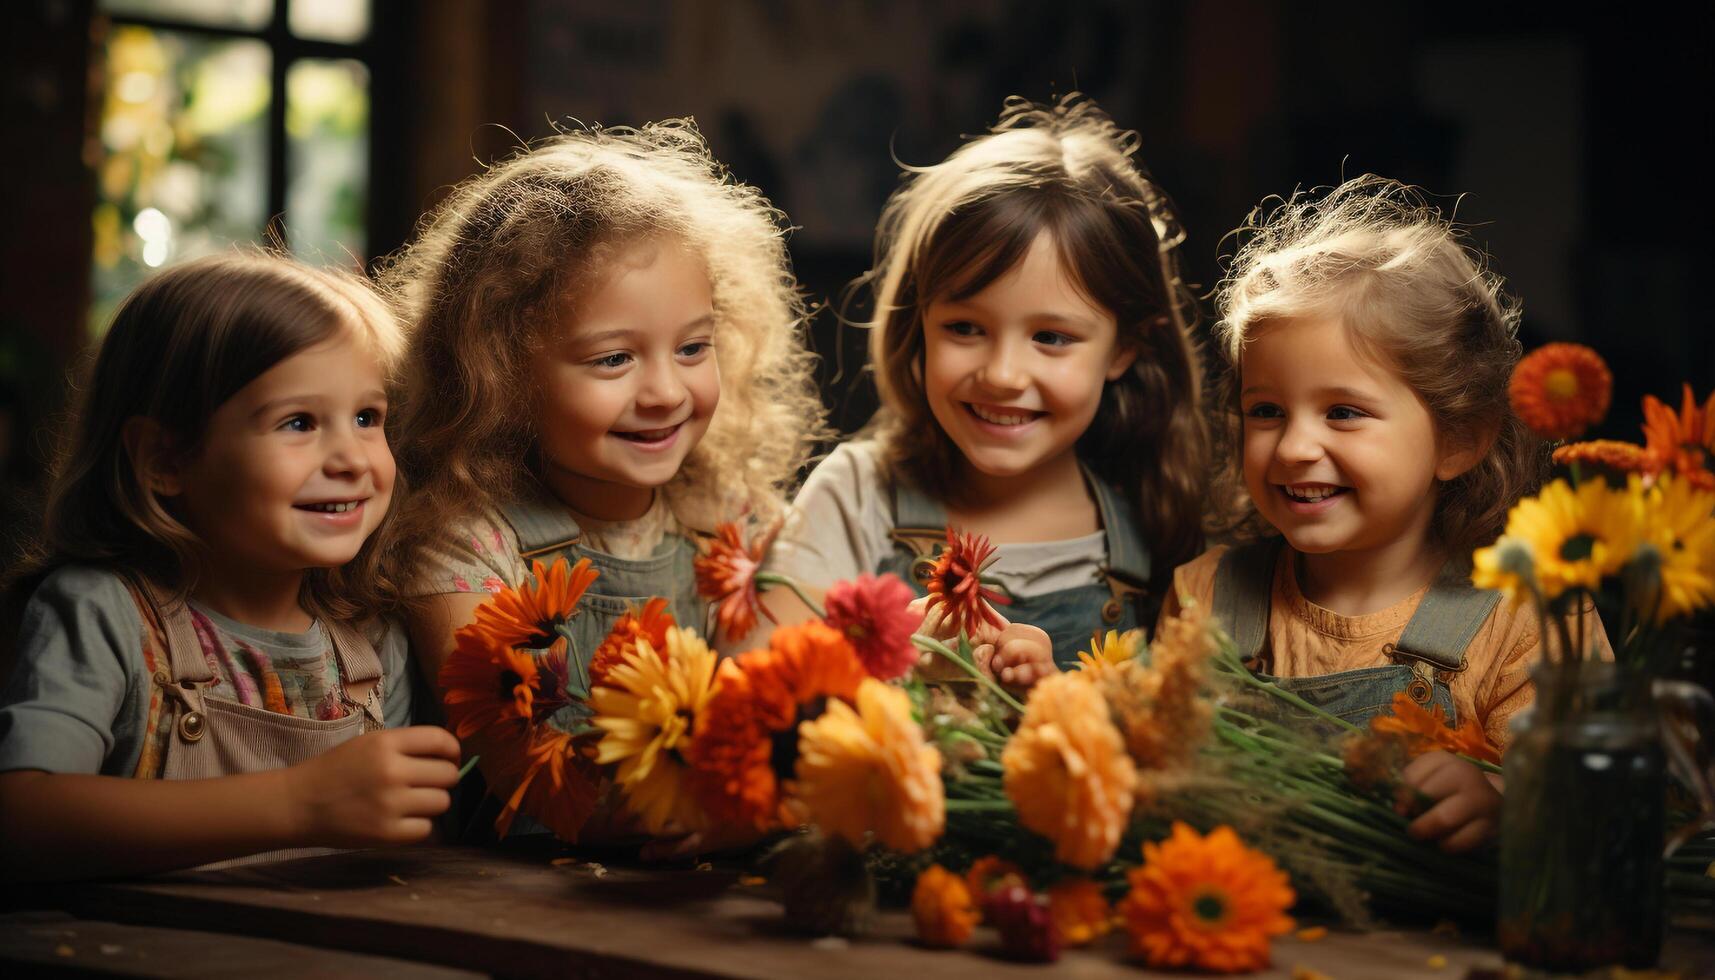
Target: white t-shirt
838,528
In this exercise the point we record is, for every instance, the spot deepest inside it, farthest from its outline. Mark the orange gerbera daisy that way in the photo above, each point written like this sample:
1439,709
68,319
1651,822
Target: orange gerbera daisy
1080,911
942,908
726,576
1067,772
1609,456
956,583
746,738
1426,730
1210,903
991,873
868,771
1682,442
544,774
651,623
526,617
485,687
1559,390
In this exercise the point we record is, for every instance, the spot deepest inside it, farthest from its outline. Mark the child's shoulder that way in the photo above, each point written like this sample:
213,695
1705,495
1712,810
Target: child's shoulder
1197,576
88,592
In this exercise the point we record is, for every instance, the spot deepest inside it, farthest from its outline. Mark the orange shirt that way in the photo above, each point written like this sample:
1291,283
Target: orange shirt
1307,640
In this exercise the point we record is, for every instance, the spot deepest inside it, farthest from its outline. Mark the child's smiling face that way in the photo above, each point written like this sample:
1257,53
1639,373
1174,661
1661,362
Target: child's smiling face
1014,373
1340,454
626,388
293,471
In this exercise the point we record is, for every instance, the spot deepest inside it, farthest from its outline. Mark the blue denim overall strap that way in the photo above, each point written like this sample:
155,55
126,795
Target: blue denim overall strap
1117,597
547,532
1429,650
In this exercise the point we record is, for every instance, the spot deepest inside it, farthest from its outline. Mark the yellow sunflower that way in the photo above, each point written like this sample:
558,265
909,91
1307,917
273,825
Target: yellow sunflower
869,770
1067,772
646,710
1577,537
1681,525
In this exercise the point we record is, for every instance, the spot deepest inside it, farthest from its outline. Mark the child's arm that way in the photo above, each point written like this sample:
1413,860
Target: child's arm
1467,810
434,622
377,789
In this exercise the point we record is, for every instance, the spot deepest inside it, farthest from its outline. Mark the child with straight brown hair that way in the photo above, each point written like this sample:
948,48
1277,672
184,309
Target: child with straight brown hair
196,610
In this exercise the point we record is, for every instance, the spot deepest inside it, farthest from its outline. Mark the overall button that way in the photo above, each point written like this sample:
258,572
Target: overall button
1111,610
191,726
922,569
1418,690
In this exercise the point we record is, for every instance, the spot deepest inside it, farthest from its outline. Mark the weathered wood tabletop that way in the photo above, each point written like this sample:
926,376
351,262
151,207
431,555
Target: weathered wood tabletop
525,911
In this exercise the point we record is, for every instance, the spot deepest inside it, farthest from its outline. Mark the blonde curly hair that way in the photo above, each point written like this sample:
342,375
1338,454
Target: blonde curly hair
495,266
1411,293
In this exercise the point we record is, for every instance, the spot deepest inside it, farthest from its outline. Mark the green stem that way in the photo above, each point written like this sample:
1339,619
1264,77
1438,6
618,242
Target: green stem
978,806
1235,668
932,645
775,578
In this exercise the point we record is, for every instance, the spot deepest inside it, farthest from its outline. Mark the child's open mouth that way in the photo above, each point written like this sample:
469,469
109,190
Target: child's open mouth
651,438
1311,496
1002,415
337,512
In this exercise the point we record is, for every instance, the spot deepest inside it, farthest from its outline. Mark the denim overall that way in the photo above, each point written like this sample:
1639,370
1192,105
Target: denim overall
1428,652
546,533
1117,597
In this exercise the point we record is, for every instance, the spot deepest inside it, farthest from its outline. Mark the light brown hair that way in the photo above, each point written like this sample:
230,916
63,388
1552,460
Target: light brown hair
1410,292
959,225
499,264
181,345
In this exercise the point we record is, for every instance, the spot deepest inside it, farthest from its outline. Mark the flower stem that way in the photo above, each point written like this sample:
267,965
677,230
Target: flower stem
775,578
932,645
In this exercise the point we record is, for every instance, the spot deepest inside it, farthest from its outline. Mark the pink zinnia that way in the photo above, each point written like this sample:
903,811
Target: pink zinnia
872,614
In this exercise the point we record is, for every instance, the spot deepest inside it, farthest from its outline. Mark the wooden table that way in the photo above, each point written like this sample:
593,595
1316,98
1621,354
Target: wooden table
535,911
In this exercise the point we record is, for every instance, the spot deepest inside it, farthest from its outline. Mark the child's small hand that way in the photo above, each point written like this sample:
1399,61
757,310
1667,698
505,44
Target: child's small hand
1468,805
1021,655
380,788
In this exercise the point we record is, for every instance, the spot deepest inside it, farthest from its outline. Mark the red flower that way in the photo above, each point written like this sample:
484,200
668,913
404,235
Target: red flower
872,613
956,583
726,576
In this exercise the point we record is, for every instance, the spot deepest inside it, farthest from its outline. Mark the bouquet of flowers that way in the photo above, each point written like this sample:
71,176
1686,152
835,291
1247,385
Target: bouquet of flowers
1628,535
1204,800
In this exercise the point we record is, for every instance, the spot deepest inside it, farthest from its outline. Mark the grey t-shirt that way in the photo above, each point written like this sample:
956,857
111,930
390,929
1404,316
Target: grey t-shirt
78,698
841,522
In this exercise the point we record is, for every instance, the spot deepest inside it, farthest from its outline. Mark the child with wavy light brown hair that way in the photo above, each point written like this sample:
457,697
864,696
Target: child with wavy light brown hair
605,361
1039,387
1369,349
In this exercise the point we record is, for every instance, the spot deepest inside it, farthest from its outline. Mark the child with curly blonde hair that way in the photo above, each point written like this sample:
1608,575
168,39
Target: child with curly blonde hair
605,360
1369,350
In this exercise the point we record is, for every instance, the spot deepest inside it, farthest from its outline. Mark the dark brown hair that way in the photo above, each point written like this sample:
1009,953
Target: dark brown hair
956,227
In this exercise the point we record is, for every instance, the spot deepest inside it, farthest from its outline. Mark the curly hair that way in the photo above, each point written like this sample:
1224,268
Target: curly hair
1410,292
496,266
959,225
182,344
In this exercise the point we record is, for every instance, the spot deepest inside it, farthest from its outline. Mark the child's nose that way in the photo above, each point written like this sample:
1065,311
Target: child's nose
346,456
1298,444
1004,369
662,387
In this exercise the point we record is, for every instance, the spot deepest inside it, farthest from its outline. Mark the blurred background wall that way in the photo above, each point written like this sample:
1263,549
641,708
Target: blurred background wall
142,132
